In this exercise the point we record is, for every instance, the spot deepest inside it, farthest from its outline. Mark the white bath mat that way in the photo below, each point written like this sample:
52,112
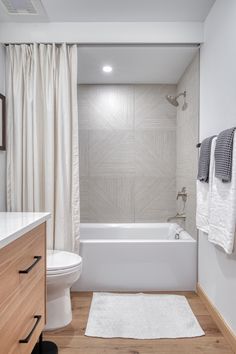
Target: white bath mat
141,316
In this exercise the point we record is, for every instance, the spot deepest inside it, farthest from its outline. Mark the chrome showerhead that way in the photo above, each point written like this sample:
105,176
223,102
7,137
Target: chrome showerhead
173,100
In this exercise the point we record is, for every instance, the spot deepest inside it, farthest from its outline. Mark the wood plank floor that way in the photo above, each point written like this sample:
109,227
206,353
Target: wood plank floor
71,340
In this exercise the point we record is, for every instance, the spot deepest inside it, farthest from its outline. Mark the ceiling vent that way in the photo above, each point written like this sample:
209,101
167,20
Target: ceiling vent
20,7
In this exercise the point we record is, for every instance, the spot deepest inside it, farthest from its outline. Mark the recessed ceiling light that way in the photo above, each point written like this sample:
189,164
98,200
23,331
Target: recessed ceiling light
107,69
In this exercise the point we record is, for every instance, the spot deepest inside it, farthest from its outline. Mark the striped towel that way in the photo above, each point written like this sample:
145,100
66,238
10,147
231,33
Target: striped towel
204,160
224,155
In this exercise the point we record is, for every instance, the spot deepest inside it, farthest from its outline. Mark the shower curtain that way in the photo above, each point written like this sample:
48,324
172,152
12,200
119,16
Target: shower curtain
42,137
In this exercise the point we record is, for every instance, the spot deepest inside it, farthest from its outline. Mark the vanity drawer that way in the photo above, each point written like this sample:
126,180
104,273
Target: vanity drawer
26,319
22,291
20,256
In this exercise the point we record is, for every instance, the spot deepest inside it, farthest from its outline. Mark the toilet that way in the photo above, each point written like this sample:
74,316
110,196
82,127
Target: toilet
63,270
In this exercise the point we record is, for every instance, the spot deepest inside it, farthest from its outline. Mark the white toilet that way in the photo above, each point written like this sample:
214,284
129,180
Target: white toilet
63,269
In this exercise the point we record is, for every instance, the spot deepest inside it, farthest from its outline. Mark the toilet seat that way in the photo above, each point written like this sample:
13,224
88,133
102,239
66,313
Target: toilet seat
62,262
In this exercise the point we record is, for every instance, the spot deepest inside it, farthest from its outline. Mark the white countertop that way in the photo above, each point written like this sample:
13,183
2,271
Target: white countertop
14,225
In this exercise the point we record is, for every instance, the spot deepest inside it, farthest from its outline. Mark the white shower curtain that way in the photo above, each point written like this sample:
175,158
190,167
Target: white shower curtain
42,137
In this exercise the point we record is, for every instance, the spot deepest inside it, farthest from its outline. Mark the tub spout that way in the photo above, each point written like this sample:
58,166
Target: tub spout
177,216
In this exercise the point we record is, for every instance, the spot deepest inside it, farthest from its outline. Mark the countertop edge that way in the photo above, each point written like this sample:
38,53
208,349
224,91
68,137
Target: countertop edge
23,230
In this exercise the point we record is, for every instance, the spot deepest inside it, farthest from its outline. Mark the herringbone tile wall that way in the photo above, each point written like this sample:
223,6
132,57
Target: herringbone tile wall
186,140
127,153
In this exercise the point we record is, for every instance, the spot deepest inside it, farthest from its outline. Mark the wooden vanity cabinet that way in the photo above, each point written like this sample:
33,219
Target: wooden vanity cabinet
23,292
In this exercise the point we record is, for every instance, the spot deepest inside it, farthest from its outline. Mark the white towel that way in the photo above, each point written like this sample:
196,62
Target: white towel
203,195
222,219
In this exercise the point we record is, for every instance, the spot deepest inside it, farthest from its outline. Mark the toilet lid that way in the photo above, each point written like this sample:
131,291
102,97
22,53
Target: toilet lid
58,260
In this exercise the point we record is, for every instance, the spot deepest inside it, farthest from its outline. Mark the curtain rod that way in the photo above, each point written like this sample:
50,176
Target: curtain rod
188,45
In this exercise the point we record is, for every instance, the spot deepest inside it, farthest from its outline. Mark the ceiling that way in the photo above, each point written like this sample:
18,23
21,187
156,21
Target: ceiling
112,11
133,64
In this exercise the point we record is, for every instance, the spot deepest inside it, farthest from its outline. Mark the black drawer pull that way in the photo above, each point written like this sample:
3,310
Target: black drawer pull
27,339
25,271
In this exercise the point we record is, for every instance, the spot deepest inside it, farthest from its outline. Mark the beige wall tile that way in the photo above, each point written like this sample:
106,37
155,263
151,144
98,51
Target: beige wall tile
154,199
106,107
84,152
111,153
134,154
187,138
111,199
126,132
155,153
84,106
84,202
152,111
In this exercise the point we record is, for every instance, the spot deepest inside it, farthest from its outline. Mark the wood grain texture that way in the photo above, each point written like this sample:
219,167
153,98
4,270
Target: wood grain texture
225,329
22,296
17,256
71,340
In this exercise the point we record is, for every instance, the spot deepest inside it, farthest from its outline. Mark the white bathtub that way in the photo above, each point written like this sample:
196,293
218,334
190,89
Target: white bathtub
136,257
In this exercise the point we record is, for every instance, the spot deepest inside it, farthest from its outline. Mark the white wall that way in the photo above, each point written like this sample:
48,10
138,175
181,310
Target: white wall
103,32
2,153
217,271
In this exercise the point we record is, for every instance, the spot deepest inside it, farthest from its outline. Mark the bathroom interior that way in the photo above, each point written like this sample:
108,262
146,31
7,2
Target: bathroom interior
117,177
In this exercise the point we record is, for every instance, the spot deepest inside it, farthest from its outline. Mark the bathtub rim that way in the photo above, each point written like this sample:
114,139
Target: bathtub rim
136,241
130,226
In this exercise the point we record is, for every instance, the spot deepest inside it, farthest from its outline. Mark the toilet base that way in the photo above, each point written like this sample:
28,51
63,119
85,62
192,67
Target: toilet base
59,312
45,347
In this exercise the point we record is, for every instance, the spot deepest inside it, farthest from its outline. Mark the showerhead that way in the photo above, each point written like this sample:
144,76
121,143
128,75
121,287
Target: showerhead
173,100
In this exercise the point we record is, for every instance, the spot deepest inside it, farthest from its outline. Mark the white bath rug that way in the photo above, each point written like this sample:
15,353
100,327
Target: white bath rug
141,316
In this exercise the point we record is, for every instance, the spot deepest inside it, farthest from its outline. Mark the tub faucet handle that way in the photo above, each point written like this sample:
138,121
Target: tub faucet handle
183,194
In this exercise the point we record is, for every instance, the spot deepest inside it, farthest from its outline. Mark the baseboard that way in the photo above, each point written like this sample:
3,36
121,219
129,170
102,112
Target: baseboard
225,329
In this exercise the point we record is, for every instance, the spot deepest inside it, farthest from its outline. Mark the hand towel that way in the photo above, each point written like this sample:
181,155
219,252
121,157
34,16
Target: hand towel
223,155
204,159
203,195
222,219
